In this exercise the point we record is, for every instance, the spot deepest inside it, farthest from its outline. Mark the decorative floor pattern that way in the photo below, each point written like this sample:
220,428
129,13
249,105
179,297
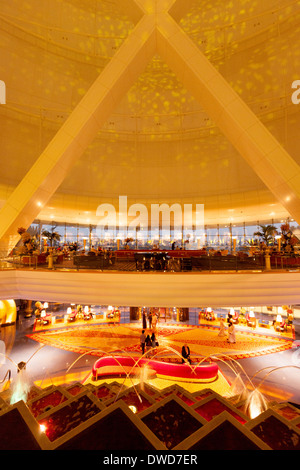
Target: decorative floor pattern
203,341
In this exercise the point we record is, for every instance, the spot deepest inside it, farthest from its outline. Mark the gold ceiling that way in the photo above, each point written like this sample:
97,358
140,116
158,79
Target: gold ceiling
158,145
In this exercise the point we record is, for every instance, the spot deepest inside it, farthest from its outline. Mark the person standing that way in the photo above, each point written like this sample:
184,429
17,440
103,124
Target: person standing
154,321
144,320
231,333
148,343
154,343
143,341
185,352
38,311
150,320
222,328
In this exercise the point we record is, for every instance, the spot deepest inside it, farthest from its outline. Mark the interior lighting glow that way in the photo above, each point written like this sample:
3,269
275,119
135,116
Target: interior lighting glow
133,408
256,404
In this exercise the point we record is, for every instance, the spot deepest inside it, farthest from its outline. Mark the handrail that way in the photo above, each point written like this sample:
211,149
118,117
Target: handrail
151,261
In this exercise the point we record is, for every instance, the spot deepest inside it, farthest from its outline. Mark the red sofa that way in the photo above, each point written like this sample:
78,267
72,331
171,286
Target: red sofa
123,365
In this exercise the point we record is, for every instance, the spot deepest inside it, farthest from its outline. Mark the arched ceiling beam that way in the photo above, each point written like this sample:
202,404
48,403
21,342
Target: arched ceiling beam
78,131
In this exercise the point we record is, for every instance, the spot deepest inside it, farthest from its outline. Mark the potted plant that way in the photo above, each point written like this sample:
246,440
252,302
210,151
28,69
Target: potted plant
266,233
51,236
29,242
288,239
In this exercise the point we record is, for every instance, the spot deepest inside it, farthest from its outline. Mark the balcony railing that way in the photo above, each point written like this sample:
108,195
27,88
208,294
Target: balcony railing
155,261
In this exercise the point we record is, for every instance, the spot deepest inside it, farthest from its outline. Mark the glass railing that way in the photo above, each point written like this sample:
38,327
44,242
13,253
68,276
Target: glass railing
156,261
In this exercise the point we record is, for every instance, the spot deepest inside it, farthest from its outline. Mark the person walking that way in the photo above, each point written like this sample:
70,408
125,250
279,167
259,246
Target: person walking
231,333
150,320
154,341
148,343
154,321
143,341
222,331
144,320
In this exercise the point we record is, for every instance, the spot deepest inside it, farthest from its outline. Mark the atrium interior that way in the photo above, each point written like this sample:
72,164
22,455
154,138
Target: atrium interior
150,169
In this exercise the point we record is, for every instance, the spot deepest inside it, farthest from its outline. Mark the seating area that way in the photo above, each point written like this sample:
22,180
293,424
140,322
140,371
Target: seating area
94,260
250,319
181,372
264,323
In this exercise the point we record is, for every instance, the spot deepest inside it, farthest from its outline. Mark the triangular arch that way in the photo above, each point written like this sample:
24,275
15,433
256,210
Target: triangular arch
156,32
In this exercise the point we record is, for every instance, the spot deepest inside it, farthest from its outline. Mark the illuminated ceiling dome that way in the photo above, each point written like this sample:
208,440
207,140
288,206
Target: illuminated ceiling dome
158,143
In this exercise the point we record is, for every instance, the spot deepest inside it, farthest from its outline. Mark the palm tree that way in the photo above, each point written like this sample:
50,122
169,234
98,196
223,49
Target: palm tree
52,236
266,233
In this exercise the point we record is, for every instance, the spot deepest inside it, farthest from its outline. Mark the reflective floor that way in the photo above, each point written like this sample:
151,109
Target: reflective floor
277,374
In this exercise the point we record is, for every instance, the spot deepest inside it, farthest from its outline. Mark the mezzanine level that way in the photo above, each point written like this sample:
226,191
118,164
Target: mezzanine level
184,289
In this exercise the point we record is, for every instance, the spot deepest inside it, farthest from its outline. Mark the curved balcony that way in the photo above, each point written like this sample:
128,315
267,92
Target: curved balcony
156,261
134,288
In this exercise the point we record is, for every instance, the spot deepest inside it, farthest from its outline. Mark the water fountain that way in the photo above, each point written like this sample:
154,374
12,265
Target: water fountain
7,375
142,362
256,402
127,374
21,385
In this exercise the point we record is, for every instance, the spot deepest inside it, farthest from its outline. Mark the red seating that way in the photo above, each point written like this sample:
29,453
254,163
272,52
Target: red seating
72,316
123,365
